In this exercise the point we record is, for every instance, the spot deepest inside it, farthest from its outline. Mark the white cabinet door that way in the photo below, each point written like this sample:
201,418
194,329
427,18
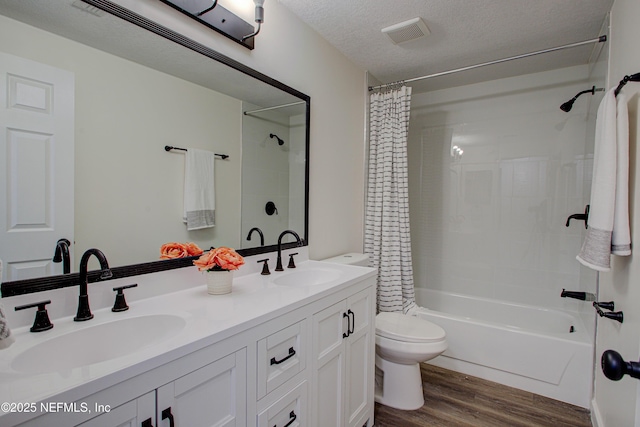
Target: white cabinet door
36,164
214,395
343,350
360,356
136,413
327,399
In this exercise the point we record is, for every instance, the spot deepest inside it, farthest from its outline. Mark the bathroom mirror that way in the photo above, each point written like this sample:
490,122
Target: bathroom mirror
137,91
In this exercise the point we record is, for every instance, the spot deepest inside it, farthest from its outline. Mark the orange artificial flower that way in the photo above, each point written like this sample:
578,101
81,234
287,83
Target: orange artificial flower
222,257
173,250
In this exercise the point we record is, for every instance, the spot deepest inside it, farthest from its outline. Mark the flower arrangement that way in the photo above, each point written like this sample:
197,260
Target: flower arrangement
173,250
219,259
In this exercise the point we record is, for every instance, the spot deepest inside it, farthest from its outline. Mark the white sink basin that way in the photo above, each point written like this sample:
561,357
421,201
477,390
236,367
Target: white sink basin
98,343
308,277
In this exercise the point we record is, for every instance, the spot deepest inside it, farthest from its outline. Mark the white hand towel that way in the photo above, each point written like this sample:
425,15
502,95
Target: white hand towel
621,235
5,333
608,230
199,189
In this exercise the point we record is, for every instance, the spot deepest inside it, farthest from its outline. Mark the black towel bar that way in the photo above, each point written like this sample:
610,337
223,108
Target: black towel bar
169,148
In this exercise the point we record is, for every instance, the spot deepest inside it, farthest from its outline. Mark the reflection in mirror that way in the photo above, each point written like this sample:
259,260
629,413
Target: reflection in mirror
136,92
273,170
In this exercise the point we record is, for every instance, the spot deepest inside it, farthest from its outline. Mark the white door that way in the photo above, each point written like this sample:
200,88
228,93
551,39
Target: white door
36,158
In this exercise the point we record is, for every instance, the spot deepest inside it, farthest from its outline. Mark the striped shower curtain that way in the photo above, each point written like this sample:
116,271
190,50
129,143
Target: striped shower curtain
387,239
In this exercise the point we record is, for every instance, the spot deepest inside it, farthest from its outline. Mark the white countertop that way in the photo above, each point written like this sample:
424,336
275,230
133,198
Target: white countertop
209,319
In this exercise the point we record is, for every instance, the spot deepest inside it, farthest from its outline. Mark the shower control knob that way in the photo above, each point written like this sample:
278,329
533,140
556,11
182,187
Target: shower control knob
614,367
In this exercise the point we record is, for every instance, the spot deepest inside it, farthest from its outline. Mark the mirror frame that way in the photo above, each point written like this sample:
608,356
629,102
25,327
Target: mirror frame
40,284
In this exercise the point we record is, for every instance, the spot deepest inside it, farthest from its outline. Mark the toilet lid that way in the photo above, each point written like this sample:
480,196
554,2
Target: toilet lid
397,326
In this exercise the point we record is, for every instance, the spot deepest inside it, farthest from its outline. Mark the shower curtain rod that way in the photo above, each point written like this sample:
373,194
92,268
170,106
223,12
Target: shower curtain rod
600,39
274,107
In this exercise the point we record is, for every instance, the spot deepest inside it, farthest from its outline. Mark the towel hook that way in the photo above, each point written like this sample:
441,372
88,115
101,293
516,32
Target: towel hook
580,217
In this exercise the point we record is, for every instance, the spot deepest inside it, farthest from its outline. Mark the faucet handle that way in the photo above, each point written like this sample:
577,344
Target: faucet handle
41,322
120,303
265,266
292,264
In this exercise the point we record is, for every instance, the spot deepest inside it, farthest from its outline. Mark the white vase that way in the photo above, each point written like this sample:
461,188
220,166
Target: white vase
219,282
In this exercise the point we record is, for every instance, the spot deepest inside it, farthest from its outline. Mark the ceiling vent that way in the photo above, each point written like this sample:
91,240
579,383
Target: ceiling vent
412,29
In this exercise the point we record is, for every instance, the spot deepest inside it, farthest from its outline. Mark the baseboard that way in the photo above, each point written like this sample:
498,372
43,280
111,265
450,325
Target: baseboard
596,418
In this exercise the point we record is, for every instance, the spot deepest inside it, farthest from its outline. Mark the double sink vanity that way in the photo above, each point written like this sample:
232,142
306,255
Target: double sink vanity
293,348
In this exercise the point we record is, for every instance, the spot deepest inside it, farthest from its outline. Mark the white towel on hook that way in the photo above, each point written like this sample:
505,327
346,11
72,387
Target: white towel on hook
608,231
199,189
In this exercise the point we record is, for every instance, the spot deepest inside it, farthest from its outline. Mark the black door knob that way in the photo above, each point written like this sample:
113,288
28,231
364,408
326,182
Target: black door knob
614,367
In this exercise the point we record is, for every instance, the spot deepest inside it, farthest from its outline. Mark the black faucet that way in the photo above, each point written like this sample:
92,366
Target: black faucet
294,234
62,255
84,312
259,232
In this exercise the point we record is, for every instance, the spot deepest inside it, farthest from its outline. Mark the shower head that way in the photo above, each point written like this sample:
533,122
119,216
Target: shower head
566,107
280,141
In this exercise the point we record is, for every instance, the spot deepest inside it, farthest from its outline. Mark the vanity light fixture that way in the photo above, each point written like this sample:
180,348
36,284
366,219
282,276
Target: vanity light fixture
220,19
259,18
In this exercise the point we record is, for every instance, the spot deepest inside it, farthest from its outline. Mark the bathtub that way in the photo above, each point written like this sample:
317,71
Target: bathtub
543,351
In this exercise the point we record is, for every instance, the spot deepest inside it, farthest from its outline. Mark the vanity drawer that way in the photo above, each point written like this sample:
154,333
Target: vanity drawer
288,411
281,356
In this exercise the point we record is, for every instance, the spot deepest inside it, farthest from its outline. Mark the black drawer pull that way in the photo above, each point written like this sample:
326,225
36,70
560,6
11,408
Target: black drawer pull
293,417
353,321
345,335
167,414
147,423
292,353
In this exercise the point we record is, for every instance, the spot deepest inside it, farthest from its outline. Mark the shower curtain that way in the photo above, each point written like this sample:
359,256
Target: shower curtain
387,238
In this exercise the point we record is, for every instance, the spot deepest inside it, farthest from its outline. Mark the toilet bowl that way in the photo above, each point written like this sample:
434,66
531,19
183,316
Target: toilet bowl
402,343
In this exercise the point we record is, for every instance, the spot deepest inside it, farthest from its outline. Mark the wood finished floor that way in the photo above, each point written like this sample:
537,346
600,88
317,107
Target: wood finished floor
453,399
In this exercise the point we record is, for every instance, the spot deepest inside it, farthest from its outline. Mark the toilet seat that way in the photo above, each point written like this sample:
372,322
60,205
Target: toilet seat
410,329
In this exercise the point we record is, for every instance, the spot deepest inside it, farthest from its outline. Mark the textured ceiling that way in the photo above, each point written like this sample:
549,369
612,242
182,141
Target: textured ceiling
463,33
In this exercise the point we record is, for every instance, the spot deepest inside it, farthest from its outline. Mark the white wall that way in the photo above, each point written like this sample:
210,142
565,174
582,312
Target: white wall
491,222
291,52
618,403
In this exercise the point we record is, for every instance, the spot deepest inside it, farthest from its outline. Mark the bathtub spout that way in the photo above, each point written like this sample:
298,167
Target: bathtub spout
584,296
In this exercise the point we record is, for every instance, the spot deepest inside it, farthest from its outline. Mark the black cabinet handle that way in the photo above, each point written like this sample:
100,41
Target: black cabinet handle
345,335
353,321
147,423
167,414
293,417
292,353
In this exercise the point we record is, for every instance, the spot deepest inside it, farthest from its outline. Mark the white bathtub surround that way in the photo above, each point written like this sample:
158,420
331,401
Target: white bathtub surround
387,233
608,231
521,346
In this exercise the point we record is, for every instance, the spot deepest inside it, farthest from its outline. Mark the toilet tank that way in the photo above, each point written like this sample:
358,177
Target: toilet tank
352,258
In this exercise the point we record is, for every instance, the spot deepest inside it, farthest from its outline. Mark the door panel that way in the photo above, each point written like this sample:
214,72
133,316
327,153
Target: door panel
37,158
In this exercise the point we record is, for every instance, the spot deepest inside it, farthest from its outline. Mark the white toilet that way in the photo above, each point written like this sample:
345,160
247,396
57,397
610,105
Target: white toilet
402,343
